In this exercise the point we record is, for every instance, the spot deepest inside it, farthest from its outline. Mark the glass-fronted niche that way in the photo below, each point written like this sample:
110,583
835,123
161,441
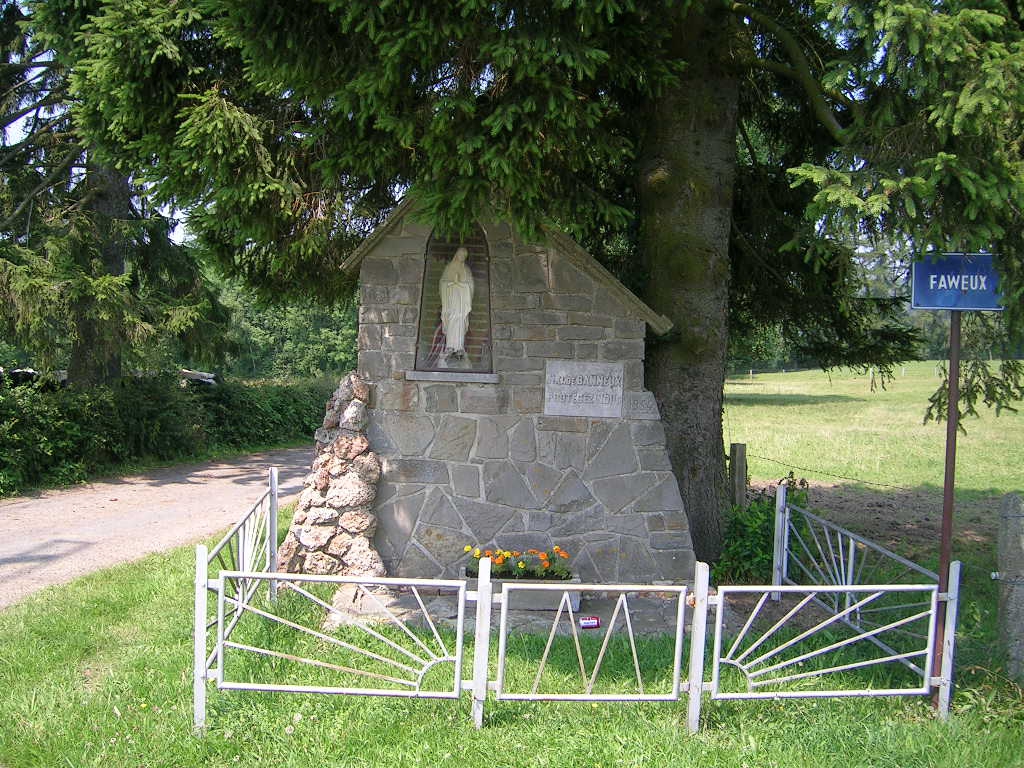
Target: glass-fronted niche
455,306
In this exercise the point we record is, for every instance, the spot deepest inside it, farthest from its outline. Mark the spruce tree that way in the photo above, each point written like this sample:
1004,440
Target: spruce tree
739,151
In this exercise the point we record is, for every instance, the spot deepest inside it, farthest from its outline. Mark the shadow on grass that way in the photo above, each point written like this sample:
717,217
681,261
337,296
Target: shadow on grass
767,398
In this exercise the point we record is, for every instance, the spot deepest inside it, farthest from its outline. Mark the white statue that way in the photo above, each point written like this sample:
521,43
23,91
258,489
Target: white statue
456,288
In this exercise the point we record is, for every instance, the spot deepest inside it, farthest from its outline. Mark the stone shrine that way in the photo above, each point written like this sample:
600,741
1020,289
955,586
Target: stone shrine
532,427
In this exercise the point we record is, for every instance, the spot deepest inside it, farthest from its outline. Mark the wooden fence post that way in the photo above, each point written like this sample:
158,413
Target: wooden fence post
738,473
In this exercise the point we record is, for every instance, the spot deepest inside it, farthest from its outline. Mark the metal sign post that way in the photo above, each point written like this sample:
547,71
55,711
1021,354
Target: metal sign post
946,537
957,282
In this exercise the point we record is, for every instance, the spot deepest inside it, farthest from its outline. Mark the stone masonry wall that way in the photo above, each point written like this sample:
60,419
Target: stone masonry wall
479,463
1011,583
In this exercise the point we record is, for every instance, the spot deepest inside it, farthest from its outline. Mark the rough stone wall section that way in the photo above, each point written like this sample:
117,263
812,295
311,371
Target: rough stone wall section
480,463
1011,583
334,524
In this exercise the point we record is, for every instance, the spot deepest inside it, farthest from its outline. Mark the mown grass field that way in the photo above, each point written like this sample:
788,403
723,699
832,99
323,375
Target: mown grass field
831,426
98,672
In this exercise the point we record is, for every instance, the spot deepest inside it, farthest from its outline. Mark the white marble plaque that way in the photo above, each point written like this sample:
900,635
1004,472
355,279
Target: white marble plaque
640,405
583,389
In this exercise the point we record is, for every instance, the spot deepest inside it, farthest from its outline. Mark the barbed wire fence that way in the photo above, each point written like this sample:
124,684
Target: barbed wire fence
825,473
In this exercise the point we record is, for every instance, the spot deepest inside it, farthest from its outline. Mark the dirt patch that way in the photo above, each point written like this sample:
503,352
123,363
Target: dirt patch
906,521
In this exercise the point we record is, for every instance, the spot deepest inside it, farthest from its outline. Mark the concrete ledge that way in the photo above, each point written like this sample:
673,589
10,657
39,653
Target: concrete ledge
467,378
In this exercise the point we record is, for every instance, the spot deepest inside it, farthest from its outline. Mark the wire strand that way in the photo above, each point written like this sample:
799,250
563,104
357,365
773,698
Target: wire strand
830,474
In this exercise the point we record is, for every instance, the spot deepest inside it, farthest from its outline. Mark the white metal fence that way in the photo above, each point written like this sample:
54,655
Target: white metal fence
813,632
249,546
882,598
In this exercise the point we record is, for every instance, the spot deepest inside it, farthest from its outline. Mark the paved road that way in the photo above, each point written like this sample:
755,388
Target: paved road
53,537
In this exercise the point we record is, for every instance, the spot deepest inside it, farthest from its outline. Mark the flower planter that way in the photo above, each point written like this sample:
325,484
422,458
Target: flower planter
547,599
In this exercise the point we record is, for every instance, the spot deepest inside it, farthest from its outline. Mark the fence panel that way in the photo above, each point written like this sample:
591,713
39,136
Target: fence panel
385,642
801,647
901,617
250,544
599,659
812,550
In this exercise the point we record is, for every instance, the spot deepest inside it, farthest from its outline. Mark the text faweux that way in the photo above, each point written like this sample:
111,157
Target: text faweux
958,282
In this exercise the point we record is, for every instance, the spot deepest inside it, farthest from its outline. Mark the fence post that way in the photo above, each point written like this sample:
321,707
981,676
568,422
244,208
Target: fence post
738,473
779,552
481,640
949,639
272,533
199,642
698,643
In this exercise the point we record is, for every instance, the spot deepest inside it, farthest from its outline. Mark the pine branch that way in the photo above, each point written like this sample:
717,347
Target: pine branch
29,65
22,84
799,70
45,184
49,101
14,149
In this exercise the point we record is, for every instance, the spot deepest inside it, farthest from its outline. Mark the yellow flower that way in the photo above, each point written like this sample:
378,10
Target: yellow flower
468,548
557,548
476,552
521,565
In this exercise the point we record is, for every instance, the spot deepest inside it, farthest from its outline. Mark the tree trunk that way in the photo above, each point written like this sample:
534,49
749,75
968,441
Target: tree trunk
96,345
685,183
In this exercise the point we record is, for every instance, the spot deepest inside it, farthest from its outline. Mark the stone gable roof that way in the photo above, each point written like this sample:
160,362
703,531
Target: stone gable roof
579,257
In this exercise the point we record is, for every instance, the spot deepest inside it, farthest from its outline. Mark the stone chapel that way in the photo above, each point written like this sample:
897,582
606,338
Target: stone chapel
537,430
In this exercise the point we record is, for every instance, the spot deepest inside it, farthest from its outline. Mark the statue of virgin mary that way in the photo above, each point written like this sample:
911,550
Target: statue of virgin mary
456,288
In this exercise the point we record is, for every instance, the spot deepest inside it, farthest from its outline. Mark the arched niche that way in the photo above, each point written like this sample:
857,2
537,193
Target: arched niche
430,336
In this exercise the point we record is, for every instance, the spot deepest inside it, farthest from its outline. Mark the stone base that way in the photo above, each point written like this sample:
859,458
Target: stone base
539,600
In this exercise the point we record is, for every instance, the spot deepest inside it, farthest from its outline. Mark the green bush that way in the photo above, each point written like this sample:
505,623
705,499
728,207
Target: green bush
750,538
56,438
157,418
238,416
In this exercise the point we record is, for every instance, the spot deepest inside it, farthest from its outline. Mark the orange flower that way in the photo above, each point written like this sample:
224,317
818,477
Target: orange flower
533,552
488,553
516,554
499,560
563,554
557,548
545,564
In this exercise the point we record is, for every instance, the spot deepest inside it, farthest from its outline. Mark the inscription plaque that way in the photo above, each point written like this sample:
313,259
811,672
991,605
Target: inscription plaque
583,389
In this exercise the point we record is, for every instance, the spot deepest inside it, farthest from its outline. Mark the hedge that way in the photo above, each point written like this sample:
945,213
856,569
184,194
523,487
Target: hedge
55,438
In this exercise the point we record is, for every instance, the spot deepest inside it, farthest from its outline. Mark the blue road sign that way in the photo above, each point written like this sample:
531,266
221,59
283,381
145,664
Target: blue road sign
960,281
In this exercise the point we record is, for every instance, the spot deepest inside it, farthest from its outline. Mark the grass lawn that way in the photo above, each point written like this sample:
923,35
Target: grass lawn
98,672
828,425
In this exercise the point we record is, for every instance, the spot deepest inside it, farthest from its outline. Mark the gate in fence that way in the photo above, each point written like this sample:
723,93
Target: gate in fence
811,633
